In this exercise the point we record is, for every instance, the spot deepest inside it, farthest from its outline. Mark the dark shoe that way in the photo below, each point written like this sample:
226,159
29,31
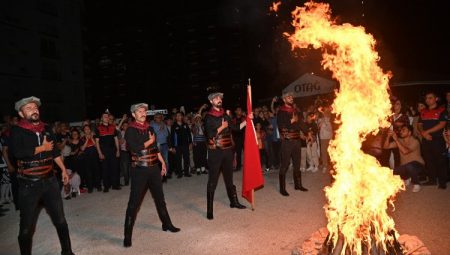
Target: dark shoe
237,205
301,188
116,188
442,186
25,245
282,180
284,193
429,183
74,194
179,176
99,189
128,230
105,190
165,219
209,205
126,242
171,228
68,198
234,203
187,175
64,239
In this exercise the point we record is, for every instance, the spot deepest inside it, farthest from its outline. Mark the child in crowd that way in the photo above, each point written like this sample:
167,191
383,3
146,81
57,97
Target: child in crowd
71,189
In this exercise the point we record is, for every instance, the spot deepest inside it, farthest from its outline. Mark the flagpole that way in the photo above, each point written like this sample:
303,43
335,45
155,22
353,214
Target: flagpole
254,132
250,96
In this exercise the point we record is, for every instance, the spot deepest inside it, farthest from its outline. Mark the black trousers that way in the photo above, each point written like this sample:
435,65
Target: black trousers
75,164
199,150
171,157
143,179
264,158
33,195
276,156
434,154
238,147
182,153
92,170
125,165
15,189
110,169
220,160
291,149
410,170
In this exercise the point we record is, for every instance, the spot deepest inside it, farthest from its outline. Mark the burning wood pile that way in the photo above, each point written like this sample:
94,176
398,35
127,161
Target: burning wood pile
410,245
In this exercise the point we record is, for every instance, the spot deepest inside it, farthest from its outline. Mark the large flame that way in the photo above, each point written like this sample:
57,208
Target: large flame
359,197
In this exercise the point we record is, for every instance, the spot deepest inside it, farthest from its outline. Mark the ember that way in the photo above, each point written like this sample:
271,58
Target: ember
275,6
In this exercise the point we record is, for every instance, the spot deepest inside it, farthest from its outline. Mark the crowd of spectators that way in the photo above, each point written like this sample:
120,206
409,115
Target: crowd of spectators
416,146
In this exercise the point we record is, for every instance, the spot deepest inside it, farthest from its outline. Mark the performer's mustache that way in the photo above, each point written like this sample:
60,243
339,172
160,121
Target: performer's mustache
34,117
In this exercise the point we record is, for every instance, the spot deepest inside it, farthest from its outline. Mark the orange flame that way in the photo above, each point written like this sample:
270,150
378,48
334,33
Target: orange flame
275,6
359,197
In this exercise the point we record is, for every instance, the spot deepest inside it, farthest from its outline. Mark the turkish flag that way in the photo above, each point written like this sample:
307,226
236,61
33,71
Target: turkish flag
252,174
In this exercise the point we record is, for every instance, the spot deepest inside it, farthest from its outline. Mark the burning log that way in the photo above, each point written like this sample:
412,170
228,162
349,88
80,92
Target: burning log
373,249
319,244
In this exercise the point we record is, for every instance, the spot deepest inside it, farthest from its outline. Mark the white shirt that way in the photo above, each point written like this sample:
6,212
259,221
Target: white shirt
325,130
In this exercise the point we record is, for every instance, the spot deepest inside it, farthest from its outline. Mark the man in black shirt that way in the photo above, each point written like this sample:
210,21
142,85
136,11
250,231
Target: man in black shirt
145,171
107,144
181,143
32,144
218,126
290,124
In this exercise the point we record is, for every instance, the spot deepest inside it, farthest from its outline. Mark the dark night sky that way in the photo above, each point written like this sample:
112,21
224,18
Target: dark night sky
410,35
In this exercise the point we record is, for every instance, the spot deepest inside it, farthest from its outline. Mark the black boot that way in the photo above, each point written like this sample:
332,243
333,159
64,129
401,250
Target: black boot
209,204
283,185
165,219
64,239
128,230
298,182
25,246
234,203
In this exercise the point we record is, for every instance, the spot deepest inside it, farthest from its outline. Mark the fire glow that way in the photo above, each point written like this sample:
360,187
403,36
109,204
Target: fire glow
362,190
275,6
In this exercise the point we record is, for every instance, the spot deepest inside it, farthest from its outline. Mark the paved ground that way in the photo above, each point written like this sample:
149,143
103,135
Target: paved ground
276,226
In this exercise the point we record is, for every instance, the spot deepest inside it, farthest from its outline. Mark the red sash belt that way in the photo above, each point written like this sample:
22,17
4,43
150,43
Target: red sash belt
146,157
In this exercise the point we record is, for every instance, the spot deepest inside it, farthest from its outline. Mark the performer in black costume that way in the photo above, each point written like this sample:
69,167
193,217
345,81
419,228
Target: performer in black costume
290,124
145,171
218,127
32,144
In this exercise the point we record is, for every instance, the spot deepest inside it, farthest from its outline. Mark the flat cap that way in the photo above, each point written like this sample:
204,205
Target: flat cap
134,107
27,100
214,95
287,94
